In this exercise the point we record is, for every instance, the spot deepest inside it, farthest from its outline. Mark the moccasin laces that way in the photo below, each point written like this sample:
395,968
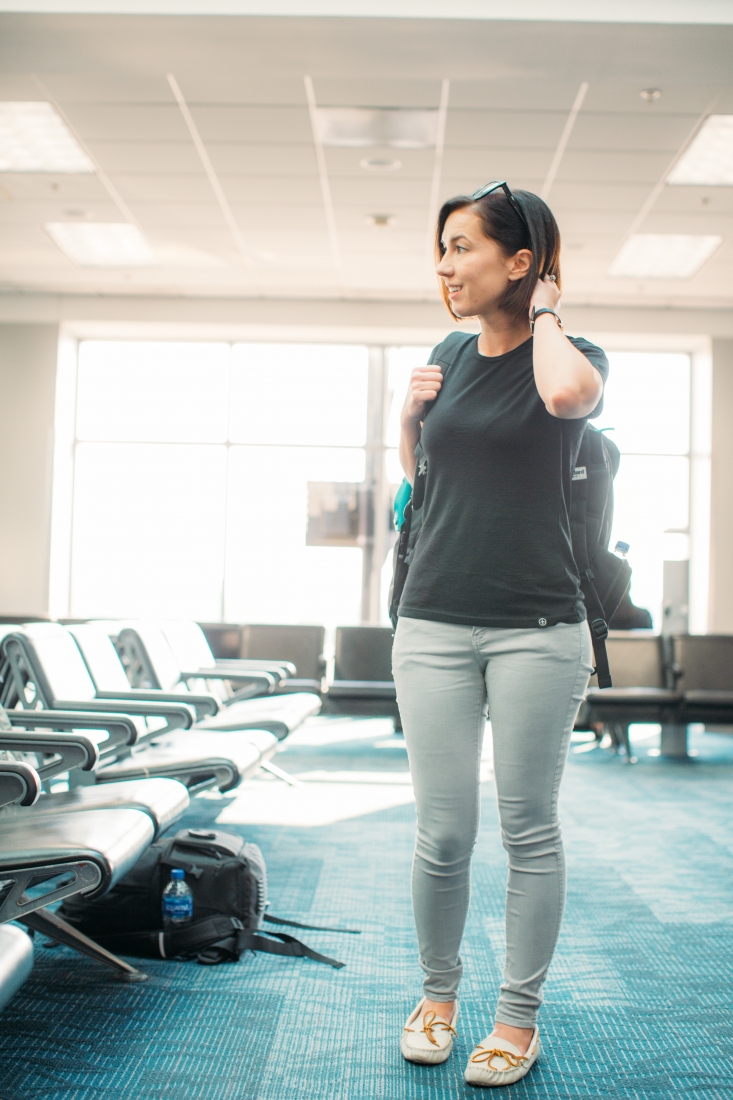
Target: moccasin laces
430,1021
486,1055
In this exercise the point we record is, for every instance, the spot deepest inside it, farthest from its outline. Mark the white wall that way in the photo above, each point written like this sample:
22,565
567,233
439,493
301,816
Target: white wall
721,504
28,354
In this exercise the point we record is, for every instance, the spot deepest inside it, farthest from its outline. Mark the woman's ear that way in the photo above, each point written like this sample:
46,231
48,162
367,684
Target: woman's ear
519,264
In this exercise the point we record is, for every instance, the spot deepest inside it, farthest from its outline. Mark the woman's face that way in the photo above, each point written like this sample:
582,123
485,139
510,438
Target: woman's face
474,269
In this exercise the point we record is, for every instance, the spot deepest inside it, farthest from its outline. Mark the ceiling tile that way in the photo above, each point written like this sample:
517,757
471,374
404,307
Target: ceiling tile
263,160
146,156
128,85
514,95
628,131
378,194
260,124
625,96
128,122
268,189
588,165
376,92
171,187
414,163
43,185
504,129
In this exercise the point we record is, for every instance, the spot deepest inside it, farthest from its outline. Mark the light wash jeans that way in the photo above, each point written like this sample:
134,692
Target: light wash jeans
533,681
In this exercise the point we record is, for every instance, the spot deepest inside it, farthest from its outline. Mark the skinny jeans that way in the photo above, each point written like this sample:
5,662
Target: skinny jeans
530,682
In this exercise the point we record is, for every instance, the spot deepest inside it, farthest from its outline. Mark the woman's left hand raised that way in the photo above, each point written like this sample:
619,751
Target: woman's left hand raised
546,295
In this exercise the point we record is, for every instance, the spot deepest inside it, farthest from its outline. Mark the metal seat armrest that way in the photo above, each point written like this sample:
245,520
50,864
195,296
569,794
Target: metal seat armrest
203,705
119,727
264,683
69,750
20,784
246,664
179,715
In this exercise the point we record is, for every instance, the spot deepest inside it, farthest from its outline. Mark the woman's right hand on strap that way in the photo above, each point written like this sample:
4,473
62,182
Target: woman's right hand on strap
425,383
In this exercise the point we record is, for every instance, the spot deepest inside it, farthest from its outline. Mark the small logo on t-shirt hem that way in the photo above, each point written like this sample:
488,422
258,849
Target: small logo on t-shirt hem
542,622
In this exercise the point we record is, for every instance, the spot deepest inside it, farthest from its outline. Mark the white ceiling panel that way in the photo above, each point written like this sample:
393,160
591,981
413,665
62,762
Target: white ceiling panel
146,156
38,213
262,124
589,165
599,196
171,187
204,84
305,190
676,98
693,199
127,121
285,216
379,193
335,92
346,163
119,86
21,186
263,160
472,167
178,213
664,133
513,95
505,129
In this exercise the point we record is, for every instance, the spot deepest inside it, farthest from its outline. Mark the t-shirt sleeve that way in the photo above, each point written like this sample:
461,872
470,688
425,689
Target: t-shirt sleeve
599,359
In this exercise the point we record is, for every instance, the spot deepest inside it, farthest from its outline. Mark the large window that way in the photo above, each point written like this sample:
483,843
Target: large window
189,466
190,480
647,406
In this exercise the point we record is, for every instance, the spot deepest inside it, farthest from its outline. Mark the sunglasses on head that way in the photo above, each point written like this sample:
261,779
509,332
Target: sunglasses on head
497,185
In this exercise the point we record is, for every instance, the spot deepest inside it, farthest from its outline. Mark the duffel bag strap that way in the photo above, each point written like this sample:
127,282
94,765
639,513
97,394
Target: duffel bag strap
252,941
311,927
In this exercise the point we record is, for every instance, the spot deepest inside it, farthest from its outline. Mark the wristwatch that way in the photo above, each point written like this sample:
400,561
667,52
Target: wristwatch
538,313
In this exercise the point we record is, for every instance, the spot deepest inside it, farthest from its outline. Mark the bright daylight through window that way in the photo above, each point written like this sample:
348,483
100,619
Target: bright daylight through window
190,481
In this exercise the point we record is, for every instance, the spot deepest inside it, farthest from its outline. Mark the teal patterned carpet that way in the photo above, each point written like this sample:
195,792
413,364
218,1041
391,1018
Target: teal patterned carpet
639,1002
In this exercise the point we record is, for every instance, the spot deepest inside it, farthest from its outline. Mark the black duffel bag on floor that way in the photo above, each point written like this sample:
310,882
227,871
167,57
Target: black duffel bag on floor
228,880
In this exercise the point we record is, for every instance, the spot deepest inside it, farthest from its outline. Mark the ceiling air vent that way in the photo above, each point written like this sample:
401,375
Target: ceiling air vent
362,127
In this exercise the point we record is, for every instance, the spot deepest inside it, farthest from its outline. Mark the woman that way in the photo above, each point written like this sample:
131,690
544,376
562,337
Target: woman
492,613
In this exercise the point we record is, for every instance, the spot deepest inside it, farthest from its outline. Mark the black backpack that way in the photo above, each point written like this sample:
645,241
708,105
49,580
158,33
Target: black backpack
228,880
604,577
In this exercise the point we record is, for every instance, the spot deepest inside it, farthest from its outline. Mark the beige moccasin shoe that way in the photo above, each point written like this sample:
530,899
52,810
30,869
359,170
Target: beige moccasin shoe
497,1062
431,1043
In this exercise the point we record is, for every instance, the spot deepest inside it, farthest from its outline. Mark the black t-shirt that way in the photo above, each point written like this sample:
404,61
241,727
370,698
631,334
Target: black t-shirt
494,547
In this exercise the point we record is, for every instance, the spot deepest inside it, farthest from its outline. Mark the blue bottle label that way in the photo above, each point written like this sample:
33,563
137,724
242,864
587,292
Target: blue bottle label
178,908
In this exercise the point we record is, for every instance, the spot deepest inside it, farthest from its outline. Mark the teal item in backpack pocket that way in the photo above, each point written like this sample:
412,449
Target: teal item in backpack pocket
401,500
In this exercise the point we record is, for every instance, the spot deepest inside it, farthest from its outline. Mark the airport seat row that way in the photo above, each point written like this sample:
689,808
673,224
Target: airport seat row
674,681
133,757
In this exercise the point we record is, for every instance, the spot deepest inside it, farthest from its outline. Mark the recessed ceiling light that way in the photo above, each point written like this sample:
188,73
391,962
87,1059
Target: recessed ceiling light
34,138
650,94
380,164
709,157
381,221
663,256
360,127
101,244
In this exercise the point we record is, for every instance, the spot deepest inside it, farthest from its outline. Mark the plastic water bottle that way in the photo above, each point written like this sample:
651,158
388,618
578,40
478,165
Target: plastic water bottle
621,549
177,901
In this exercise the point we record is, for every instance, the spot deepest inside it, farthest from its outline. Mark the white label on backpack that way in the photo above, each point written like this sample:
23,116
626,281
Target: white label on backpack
580,473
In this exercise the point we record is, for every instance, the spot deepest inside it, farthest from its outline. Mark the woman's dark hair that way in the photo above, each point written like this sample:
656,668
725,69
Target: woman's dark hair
502,223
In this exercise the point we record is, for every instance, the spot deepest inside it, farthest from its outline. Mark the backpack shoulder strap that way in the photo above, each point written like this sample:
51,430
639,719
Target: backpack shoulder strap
446,353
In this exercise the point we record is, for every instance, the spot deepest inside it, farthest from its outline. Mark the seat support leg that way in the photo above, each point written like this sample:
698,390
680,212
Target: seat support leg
280,773
43,920
622,736
673,741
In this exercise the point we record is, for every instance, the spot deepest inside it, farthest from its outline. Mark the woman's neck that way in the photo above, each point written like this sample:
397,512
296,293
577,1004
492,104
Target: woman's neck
501,333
